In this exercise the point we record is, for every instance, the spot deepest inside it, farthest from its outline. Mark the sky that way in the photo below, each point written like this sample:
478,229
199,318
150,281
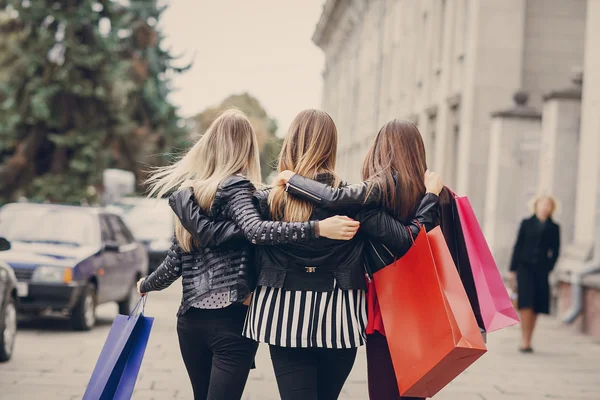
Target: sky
262,47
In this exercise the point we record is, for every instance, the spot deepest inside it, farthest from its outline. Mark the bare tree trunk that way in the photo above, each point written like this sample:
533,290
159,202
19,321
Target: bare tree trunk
20,162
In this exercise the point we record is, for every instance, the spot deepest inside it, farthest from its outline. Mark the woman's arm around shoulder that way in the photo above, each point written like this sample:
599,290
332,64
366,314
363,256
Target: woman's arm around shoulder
382,226
238,192
345,198
204,230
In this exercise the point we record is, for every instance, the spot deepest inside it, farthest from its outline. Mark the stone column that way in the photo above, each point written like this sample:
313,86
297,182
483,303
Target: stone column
512,174
559,157
493,70
588,175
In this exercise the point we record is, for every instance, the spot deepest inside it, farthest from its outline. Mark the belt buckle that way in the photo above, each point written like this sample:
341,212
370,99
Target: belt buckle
310,269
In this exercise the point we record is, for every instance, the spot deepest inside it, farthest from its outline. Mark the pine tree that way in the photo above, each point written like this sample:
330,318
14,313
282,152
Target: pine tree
87,89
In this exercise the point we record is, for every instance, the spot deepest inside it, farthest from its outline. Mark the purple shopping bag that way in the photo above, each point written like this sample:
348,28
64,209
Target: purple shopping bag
497,310
120,360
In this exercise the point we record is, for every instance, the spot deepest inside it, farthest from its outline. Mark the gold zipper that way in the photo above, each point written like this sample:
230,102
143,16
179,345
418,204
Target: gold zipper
287,186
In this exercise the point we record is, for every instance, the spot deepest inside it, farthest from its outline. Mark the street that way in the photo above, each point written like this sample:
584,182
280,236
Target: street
52,362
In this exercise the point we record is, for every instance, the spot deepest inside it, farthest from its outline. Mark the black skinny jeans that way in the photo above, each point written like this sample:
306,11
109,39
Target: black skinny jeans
311,373
380,371
216,355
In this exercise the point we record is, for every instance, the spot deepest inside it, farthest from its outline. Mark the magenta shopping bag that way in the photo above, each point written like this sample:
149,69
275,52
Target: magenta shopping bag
496,306
120,360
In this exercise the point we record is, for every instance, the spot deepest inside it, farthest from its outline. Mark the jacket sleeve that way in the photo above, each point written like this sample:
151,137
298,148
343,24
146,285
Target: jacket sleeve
334,199
166,273
555,248
237,195
514,260
395,235
206,232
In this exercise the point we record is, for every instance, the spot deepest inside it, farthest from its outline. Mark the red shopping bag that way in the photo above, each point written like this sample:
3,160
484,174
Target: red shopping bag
431,330
496,307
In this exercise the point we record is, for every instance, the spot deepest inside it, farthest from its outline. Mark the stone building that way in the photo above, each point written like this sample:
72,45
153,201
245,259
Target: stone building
452,67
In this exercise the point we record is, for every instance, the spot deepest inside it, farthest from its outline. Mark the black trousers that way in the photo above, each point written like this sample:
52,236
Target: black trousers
380,370
216,355
311,373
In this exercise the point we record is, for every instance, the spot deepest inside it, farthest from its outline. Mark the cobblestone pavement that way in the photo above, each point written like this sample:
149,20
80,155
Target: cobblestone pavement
52,362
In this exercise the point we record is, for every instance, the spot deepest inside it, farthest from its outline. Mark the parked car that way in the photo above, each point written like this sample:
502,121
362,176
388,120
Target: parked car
8,306
152,223
69,259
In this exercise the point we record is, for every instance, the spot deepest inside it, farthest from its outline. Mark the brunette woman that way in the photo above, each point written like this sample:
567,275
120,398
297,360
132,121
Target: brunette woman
217,270
534,256
396,182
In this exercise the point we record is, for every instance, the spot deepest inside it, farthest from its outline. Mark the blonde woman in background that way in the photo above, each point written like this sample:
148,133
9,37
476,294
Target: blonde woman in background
215,264
534,256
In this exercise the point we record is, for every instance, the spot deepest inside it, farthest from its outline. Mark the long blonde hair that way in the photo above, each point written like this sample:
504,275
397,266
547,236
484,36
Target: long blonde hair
228,147
309,148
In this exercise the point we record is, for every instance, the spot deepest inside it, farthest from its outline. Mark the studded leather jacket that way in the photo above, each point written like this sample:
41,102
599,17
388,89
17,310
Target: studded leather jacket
223,258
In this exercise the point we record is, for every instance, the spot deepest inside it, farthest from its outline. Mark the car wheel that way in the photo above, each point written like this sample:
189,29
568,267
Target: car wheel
128,304
83,316
8,330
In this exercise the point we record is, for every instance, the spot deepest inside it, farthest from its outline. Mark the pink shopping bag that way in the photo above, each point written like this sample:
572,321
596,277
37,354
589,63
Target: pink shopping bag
497,310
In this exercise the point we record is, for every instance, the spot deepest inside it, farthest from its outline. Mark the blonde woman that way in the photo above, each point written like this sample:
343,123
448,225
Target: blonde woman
216,267
534,256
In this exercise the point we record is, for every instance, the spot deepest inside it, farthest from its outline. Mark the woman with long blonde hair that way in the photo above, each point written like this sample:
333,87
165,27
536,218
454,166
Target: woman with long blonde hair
397,198
216,266
534,255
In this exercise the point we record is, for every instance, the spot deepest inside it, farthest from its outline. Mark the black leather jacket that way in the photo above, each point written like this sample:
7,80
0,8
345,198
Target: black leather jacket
318,265
222,259
387,238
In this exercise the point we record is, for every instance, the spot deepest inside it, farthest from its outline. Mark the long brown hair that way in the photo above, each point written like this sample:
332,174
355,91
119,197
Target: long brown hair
308,149
396,164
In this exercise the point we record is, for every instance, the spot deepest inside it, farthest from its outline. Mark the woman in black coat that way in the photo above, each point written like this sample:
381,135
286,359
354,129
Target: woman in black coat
534,256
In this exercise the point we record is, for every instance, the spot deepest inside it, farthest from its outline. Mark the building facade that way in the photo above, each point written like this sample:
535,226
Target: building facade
452,67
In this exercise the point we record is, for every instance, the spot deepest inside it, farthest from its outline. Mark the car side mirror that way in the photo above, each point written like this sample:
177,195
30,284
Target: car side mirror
111,247
4,244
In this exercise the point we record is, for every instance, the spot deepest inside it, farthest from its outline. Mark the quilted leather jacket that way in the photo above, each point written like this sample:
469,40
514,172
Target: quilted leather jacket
222,259
387,238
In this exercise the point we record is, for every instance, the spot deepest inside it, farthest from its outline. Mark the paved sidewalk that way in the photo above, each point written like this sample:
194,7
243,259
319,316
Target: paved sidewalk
52,362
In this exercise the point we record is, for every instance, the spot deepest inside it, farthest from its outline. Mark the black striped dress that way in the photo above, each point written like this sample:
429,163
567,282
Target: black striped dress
285,318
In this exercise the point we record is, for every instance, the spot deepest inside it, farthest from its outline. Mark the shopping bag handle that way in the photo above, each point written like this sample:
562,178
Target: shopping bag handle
410,232
141,301
452,192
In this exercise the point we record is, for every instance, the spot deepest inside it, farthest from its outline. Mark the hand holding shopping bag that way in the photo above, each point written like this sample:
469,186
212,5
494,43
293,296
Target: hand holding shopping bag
120,360
429,323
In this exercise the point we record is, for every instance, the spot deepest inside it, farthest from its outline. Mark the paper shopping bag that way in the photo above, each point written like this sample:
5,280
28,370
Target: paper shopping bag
496,307
430,327
120,360
452,230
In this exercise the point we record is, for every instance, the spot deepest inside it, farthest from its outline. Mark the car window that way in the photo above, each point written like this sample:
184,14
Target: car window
68,226
122,234
106,231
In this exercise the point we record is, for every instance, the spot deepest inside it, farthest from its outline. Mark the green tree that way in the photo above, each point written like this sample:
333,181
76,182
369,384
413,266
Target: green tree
87,90
265,127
